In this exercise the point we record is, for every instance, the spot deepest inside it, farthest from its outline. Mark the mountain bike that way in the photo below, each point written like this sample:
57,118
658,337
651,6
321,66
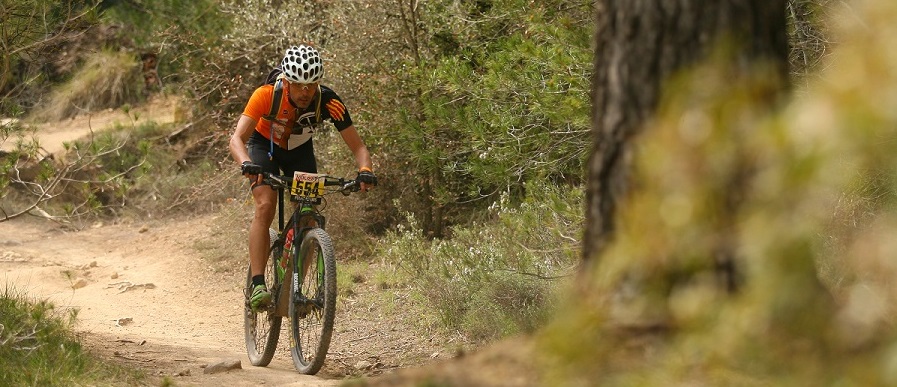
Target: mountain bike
300,274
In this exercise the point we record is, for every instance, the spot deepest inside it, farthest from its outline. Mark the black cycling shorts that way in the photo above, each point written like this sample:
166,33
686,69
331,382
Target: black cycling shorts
301,158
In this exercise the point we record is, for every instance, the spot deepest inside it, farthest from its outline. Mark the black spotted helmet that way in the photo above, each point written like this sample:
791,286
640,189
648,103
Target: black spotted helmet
302,64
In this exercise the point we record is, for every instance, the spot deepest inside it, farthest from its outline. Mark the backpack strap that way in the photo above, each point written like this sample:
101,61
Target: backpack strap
276,97
318,109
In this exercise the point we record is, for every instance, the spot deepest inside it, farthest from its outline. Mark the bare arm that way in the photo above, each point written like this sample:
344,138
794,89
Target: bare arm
245,127
362,156
353,140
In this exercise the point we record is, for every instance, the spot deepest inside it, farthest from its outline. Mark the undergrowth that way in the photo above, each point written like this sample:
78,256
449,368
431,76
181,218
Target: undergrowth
225,248
131,171
92,179
38,348
500,277
107,79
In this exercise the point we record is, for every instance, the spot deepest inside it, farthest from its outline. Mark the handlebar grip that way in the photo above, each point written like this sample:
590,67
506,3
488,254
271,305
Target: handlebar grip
248,168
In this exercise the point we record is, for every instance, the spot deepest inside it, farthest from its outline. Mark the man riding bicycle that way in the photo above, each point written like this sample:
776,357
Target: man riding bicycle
281,140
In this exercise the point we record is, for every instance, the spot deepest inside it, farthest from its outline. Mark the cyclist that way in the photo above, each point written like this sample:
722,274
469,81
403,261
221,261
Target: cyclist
285,143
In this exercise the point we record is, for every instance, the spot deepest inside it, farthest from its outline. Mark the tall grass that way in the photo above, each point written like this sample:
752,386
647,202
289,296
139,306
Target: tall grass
500,277
107,79
38,348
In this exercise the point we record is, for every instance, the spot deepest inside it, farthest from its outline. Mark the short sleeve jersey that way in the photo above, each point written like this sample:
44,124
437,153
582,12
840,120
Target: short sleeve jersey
293,126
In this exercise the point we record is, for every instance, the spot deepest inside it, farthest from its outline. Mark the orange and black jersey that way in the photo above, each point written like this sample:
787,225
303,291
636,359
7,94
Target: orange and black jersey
294,126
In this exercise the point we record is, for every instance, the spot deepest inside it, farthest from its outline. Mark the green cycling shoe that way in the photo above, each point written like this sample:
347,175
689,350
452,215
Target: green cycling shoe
260,297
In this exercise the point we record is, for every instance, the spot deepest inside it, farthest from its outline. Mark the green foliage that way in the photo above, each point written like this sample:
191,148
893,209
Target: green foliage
440,138
150,19
97,176
136,174
238,59
108,166
223,50
502,99
37,348
162,27
498,278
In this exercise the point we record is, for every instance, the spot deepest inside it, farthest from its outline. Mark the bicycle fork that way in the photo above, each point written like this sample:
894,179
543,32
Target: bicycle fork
303,303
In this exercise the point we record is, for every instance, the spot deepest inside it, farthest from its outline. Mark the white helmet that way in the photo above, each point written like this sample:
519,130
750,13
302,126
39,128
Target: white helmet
302,64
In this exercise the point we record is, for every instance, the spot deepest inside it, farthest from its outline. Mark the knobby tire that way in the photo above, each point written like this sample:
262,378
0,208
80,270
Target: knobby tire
262,328
312,327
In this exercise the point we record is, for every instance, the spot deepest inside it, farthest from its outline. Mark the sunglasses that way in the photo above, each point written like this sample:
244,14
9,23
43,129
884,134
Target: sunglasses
305,87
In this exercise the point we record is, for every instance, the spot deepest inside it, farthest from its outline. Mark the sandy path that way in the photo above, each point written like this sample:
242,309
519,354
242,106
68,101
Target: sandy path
51,136
145,297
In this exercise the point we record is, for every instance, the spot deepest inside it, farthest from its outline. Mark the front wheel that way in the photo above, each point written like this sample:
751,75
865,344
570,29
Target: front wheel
313,307
262,327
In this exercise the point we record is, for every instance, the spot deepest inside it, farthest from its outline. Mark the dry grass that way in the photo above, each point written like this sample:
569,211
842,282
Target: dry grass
107,79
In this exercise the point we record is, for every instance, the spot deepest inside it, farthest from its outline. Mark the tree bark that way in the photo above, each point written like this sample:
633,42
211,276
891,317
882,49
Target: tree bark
639,45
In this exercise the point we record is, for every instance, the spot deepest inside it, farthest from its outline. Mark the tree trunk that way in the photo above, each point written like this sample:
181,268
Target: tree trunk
639,45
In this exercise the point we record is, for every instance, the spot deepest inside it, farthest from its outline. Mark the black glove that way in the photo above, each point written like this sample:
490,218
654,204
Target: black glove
366,177
248,168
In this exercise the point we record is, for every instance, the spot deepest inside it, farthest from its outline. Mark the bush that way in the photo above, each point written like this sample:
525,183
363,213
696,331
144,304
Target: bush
497,278
37,348
812,232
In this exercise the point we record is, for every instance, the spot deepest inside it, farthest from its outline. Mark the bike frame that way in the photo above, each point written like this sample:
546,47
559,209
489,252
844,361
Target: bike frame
303,210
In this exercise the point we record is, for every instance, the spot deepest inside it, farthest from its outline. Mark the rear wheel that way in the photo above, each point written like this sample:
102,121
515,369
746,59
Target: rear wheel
313,310
262,327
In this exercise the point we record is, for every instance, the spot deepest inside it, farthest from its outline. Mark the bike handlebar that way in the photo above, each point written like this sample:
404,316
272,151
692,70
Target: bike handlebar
346,186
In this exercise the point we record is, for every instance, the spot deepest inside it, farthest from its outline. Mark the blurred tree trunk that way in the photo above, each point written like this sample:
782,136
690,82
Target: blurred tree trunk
639,45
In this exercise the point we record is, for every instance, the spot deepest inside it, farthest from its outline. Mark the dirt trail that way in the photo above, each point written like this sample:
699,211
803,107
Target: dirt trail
53,135
141,297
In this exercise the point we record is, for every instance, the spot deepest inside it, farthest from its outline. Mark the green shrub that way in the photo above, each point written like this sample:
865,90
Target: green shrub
104,170
37,348
496,278
128,170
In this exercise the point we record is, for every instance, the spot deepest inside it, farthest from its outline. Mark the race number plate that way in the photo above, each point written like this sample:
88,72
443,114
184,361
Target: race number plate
307,185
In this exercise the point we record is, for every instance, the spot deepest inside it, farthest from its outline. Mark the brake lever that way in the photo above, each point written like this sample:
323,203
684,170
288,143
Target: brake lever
352,186
277,179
